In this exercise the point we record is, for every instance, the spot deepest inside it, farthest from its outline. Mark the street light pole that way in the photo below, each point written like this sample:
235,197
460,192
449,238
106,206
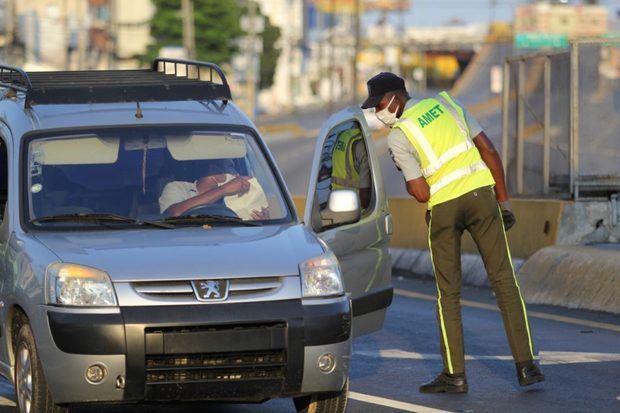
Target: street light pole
64,21
189,36
332,56
112,34
492,6
251,69
9,29
83,34
356,50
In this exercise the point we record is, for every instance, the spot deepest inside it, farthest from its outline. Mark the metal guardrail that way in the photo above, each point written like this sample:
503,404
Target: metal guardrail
552,100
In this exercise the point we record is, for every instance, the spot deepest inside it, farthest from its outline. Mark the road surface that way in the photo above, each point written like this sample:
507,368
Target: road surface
578,350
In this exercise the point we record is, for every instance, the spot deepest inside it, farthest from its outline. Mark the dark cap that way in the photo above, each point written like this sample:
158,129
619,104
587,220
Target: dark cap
381,84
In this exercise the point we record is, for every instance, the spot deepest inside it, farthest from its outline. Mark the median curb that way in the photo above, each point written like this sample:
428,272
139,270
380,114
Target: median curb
418,263
583,277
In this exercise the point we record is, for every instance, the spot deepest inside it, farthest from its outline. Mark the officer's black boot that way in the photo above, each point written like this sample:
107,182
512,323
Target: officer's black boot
529,373
446,383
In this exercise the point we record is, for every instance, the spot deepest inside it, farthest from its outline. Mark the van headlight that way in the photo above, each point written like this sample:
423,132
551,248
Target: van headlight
320,276
78,285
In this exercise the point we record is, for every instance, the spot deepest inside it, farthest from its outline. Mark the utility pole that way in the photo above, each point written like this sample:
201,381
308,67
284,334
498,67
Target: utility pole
64,21
189,28
291,43
112,34
332,55
251,69
9,29
401,39
492,6
83,34
321,31
356,50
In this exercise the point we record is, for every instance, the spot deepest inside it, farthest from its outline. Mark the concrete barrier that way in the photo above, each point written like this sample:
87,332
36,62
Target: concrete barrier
569,276
584,277
538,224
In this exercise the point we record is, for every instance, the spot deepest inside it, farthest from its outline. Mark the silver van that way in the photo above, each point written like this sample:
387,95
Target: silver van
150,251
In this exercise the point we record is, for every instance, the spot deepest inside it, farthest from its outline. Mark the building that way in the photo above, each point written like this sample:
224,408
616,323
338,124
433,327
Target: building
290,87
126,27
53,33
574,21
77,34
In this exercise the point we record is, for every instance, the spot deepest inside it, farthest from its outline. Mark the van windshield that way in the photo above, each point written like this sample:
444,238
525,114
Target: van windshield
178,176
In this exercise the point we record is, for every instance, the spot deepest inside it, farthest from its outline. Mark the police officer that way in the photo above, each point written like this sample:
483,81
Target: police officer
350,167
449,163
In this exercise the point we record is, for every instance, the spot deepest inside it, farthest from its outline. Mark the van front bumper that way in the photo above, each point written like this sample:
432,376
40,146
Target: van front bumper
245,352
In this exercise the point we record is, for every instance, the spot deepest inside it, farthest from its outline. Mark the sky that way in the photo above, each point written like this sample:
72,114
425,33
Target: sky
437,12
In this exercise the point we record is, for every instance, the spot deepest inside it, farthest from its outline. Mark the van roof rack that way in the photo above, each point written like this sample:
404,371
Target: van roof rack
166,80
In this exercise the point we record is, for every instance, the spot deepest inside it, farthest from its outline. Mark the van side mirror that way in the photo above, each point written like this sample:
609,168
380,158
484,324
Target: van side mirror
343,208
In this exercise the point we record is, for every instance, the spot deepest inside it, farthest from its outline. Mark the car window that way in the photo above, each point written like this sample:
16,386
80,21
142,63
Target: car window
345,164
151,174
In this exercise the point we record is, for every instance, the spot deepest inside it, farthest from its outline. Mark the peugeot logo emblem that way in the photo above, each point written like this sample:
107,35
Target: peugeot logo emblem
210,290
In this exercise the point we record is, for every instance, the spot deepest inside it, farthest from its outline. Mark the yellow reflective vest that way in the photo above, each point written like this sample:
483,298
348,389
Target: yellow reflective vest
449,160
344,173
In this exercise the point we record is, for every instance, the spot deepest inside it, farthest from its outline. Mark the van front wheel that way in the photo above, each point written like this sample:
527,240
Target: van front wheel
33,394
323,402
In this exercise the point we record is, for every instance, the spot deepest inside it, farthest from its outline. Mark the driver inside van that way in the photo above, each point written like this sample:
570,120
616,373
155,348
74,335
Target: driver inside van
242,194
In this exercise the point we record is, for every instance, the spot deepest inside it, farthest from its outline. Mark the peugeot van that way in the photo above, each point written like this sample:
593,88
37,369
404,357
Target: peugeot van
151,252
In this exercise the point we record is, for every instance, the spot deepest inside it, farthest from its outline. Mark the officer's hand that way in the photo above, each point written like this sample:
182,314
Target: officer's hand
508,217
238,186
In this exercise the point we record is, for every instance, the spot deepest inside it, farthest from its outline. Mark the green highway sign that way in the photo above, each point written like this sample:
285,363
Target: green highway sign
541,41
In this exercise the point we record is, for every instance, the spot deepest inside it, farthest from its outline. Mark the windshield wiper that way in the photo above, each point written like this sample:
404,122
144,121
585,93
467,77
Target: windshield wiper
98,218
208,219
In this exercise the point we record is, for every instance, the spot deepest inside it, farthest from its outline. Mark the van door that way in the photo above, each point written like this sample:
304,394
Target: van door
345,158
5,234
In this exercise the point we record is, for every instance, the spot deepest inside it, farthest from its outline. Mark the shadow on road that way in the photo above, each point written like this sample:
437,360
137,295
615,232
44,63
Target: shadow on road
7,405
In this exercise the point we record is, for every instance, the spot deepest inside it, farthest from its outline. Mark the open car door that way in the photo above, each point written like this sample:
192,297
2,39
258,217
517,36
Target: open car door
344,161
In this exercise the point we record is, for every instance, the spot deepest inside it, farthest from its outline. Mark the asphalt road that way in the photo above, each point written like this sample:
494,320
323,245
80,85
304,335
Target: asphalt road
578,351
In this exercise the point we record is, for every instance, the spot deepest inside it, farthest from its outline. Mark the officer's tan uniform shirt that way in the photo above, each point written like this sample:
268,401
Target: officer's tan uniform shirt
405,155
362,166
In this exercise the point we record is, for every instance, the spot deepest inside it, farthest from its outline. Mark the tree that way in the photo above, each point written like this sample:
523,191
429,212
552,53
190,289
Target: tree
217,27
270,56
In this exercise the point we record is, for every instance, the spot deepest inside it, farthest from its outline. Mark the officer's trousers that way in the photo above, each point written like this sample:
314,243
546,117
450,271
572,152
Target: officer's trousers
477,212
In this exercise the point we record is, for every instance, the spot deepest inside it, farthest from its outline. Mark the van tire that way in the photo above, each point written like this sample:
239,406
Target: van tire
41,397
323,402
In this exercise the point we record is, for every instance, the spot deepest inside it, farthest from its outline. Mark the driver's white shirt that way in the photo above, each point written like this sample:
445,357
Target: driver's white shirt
243,205
175,192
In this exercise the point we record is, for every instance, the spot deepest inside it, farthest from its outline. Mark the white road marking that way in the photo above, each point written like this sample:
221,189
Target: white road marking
6,394
380,401
535,314
569,357
546,357
7,402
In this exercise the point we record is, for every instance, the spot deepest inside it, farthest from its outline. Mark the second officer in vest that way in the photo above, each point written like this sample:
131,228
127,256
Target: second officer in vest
350,167
449,163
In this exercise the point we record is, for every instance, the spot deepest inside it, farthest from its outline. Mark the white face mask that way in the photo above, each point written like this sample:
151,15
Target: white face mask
387,117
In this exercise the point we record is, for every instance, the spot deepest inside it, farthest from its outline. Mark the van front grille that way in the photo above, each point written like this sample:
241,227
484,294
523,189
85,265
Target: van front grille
183,291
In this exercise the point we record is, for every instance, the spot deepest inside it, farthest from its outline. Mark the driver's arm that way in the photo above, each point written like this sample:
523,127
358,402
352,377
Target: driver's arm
239,186
205,198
